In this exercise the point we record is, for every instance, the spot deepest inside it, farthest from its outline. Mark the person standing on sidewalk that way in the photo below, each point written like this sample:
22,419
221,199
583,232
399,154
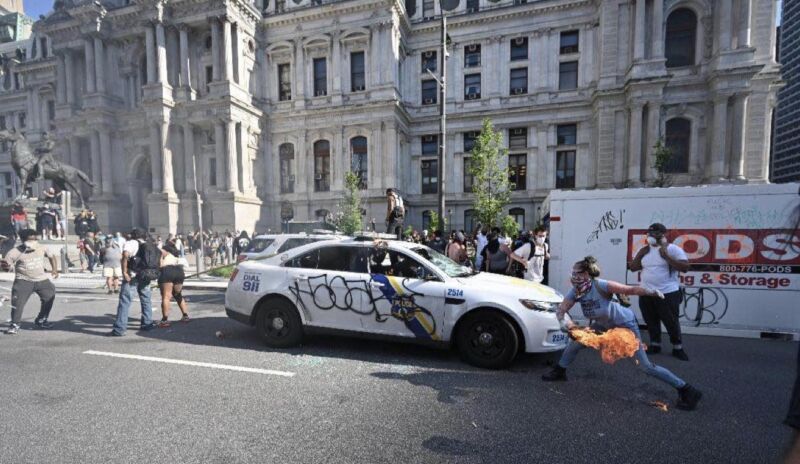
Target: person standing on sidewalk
112,270
137,257
30,277
90,250
660,263
170,282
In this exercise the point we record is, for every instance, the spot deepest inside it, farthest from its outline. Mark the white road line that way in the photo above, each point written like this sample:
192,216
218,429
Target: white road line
190,363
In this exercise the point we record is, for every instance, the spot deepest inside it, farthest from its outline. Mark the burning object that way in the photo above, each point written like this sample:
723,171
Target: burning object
660,405
613,344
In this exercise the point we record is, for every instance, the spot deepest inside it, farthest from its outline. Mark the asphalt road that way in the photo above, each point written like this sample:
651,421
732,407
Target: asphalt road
352,401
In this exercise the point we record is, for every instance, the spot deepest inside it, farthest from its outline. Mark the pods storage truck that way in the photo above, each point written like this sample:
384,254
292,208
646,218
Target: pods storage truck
741,240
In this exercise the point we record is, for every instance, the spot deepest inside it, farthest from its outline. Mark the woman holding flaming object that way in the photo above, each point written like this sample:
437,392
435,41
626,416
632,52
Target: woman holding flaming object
594,296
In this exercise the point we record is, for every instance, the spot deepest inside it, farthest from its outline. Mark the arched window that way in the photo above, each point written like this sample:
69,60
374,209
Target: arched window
469,221
426,221
322,215
286,155
681,38
322,166
358,160
519,215
411,7
678,140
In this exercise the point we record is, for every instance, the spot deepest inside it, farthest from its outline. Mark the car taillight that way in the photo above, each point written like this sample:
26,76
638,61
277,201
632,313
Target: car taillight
241,258
233,274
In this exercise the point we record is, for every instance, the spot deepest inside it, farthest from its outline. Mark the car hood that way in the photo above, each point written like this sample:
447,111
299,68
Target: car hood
505,285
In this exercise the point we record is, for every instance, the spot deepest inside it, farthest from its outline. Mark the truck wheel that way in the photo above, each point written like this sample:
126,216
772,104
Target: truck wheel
279,323
487,339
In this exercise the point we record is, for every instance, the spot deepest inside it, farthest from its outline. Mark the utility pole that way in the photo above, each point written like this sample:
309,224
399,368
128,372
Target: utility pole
443,123
199,255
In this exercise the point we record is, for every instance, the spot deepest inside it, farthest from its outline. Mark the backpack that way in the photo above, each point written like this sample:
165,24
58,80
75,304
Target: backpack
497,262
399,210
147,261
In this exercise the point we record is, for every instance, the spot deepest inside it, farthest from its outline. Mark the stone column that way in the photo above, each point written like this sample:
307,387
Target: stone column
718,146
738,137
166,159
155,158
299,69
74,152
336,65
635,144
88,49
34,119
232,158
658,29
69,82
94,143
161,52
724,24
105,161
189,158
639,38
653,126
215,48
227,68
99,64
219,145
265,76
743,36
150,43
61,85
184,51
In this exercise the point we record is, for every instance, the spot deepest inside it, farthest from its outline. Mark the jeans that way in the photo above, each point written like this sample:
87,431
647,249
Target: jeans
92,259
655,311
644,362
126,297
395,226
23,289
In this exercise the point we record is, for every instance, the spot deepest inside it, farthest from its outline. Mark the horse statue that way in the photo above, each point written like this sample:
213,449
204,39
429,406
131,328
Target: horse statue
30,167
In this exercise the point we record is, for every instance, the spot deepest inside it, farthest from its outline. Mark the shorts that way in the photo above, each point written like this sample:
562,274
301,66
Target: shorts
115,272
172,275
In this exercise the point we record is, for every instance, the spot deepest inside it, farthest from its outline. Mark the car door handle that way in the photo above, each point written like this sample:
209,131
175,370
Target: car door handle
376,285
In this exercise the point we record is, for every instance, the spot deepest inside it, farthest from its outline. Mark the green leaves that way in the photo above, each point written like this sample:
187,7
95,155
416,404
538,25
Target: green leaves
348,217
663,156
490,185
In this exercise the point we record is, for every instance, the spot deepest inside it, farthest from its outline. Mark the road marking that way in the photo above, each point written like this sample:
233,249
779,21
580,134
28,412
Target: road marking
190,363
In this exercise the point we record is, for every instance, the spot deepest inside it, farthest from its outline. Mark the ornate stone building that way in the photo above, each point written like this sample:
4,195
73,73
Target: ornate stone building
250,110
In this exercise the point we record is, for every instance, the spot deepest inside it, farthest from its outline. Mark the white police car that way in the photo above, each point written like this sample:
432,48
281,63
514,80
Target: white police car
393,289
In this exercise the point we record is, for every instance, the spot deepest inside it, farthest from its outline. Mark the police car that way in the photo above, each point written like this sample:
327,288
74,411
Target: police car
394,290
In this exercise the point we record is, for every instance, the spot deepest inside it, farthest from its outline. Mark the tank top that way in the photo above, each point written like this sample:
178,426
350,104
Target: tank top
599,308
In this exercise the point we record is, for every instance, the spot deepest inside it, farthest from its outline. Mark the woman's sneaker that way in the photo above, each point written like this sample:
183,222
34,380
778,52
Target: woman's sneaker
556,374
12,329
43,324
688,397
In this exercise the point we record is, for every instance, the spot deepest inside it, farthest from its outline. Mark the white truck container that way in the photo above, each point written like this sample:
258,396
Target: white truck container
742,242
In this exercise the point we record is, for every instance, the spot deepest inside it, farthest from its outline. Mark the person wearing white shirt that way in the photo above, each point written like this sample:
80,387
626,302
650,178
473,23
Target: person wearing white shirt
535,252
482,242
660,263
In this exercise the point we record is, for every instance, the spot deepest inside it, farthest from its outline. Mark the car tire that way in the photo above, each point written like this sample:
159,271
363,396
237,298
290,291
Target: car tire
487,339
279,323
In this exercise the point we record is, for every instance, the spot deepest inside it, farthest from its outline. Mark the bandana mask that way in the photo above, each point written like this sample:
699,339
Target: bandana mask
581,285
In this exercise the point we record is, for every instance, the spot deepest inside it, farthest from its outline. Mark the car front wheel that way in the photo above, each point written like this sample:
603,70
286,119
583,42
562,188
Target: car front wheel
487,339
279,323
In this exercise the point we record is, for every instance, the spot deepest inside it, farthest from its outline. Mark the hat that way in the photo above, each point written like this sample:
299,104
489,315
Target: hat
26,234
657,227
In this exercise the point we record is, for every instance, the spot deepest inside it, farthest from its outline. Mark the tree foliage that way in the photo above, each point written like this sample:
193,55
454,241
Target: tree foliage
348,216
488,166
663,157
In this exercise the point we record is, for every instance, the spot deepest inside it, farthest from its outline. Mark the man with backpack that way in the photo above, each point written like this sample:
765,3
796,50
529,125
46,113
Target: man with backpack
140,265
497,255
395,213
535,251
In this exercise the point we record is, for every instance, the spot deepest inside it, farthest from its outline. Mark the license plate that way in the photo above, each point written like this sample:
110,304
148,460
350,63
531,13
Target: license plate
558,338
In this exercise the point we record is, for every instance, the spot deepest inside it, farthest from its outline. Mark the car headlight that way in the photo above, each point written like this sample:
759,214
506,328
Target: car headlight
540,305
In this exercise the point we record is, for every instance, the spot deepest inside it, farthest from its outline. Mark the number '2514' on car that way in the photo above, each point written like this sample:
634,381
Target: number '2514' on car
394,290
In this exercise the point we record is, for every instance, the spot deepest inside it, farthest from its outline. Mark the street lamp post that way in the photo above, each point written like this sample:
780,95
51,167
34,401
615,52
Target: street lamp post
443,120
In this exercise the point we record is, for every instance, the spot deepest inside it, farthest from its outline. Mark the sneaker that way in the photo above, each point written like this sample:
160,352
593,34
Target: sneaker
164,324
148,327
688,397
12,329
653,349
110,291
556,374
43,324
114,334
185,318
680,354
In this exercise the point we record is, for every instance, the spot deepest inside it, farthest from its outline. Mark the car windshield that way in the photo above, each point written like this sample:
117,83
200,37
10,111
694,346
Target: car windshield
259,244
445,264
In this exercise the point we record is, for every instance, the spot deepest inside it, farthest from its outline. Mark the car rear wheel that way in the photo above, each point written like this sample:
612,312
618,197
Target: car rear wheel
487,339
279,323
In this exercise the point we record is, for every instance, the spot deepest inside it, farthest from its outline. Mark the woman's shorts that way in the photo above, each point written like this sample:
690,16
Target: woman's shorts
172,275
114,272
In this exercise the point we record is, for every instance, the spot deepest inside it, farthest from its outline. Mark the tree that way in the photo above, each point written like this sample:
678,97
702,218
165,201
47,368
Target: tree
663,155
348,216
490,186
436,224
509,226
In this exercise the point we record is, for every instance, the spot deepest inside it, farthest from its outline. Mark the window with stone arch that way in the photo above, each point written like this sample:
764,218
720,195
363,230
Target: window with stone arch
678,140
286,156
681,38
322,166
358,160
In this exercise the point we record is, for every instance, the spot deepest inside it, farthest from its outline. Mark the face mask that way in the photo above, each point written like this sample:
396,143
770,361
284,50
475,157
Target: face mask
539,240
652,241
581,285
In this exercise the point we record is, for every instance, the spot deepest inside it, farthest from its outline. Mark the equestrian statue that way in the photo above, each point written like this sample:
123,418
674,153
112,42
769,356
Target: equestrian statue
32,165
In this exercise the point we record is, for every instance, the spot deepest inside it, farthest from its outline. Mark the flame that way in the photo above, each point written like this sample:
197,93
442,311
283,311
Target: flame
660,405
613,345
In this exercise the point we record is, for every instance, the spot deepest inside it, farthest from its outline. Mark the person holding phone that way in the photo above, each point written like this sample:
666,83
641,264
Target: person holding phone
660,263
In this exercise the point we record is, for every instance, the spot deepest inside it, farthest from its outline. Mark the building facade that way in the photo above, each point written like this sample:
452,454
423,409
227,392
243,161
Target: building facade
251,112
786,150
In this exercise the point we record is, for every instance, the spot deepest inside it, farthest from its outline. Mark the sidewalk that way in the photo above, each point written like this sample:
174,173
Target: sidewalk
92,281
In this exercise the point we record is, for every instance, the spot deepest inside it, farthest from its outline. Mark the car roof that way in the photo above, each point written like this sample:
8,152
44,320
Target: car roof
299,235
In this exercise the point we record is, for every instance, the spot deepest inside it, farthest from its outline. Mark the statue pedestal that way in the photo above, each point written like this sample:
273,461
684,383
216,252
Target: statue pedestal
233,212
